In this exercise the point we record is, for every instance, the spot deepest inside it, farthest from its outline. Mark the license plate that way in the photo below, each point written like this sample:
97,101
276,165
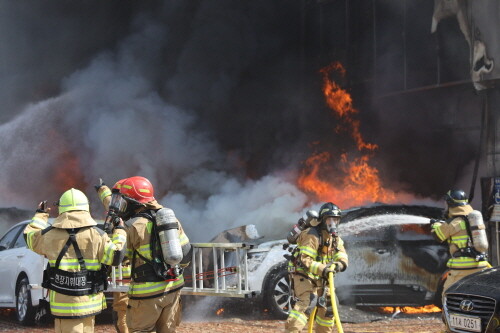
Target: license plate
471,324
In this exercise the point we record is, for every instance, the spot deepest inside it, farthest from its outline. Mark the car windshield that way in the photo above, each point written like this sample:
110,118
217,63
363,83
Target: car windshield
9,239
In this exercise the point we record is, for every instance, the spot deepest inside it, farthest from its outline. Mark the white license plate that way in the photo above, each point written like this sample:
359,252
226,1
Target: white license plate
472,324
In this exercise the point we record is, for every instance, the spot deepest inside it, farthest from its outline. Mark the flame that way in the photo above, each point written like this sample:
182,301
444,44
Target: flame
67,173
340,101
354,182
416,228
408,309
219,312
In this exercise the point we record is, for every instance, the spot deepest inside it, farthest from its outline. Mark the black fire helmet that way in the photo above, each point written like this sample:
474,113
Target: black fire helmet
456,198
329,209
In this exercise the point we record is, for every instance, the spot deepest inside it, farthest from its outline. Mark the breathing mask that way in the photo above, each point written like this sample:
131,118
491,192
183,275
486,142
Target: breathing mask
117,205
331,224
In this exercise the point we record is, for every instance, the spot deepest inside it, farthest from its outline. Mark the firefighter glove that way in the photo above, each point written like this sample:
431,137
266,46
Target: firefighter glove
432,221
42,207
331,267
98,186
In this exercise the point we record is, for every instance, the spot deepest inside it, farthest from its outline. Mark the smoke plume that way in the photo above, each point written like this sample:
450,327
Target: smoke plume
211,101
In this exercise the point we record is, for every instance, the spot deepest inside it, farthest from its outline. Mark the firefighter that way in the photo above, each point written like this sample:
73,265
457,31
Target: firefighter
77,252
319,251
120,299
155,287
464,260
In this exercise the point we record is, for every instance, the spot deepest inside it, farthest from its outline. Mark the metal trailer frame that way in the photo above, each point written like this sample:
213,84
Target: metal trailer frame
221,286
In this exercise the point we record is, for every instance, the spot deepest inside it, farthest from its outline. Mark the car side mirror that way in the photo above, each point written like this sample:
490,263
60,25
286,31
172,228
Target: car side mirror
2,248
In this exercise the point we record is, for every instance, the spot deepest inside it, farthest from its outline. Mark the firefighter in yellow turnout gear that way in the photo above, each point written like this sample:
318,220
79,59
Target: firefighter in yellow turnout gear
319,251
464,259
120,299
76,250
154,292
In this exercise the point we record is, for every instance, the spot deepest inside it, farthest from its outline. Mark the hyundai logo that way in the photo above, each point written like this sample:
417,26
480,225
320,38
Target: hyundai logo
466,305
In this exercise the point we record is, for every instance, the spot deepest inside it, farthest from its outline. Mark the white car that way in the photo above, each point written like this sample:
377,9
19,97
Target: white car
19,268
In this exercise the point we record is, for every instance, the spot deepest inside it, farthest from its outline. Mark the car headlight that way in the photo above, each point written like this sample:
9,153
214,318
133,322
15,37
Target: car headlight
255,259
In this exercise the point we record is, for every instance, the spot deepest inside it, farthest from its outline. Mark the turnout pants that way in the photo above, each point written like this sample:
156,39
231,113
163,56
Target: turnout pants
80,325
455,275
160,314
120,301
306,293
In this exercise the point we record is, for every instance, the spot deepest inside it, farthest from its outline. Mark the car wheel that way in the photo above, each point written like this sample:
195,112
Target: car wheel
277,291
25,310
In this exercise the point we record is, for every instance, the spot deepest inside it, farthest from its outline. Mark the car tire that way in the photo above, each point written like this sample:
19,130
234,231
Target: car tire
25,311
277,294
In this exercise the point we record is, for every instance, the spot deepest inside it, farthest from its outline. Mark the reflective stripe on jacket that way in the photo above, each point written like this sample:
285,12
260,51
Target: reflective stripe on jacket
455,233
312,257
96,247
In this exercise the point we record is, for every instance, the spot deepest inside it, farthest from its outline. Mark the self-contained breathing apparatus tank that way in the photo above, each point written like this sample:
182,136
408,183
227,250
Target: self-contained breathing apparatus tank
309,219
168,233
478,231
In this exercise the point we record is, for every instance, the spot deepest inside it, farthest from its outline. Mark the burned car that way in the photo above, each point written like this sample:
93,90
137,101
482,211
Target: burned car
472,304
393,260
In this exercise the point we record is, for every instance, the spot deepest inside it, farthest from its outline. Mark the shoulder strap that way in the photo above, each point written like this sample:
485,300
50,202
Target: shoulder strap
44,231
72,241
154,241
99,230
148,214
467,226
316,231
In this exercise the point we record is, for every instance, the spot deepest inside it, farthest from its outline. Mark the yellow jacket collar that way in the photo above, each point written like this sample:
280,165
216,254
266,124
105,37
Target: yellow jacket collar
459,210
153,205
74,219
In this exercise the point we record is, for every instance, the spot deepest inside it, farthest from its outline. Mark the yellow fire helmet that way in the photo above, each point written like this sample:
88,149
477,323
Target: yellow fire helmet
73,199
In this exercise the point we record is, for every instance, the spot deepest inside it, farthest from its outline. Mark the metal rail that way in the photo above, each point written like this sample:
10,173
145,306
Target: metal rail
216,269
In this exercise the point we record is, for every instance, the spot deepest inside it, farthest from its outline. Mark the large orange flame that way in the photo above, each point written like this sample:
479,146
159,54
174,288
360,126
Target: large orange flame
358,183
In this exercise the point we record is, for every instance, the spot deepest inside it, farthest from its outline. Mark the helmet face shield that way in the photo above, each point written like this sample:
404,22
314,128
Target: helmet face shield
331,224
117,204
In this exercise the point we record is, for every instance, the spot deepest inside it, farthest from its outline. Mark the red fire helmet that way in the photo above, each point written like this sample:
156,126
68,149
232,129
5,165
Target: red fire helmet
137,188
118,184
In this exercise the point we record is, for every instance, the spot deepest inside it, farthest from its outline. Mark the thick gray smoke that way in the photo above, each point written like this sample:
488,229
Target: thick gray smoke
215,102
124,114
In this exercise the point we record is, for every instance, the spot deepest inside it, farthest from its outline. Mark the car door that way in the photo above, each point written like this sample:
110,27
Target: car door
9,263
372,254
373,260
